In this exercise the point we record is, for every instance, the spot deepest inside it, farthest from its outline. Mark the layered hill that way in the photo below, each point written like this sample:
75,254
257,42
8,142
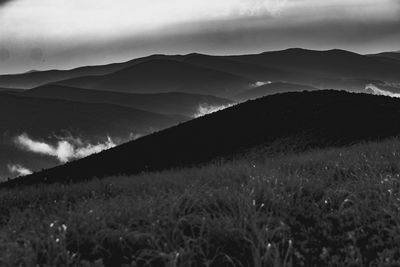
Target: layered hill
37,78
44,115
172,103
393,57
331,64
243,69
312,119
161,75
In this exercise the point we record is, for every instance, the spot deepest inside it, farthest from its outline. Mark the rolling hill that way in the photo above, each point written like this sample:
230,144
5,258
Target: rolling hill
163,103
160,75
312,119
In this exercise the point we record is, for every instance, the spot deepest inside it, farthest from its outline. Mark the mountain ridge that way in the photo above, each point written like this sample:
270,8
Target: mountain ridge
328,68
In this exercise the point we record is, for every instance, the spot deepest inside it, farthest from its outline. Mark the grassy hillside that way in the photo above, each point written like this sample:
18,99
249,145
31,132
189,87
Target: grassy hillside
313,119
332,207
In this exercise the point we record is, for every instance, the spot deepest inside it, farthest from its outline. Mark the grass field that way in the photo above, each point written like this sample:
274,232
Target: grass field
332,207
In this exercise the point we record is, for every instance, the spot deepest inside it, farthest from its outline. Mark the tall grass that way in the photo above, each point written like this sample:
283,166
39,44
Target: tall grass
332,207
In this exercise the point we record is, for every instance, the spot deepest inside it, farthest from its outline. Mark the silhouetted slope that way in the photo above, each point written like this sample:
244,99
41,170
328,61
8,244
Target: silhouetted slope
272,88
162,75
318,119
164,103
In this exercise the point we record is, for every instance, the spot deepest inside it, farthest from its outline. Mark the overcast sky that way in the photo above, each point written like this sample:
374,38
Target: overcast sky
61,34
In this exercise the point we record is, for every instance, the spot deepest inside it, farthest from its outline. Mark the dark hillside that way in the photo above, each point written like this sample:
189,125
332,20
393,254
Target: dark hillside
318,119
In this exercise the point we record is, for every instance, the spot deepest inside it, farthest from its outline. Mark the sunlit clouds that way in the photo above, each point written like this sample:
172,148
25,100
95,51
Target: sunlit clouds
65,150
206,109
65,18
18,169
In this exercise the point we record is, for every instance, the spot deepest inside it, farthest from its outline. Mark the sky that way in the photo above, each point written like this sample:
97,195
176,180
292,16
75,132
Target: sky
62,34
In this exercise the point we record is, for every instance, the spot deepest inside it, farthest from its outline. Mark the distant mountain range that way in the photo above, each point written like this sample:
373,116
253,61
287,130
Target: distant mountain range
34,79
312,119
392,57
223,75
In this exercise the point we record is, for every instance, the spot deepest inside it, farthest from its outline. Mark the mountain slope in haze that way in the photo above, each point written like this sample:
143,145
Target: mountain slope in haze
160,75
45,115
323,69
48,119
391,57
163,103
33,79
10,90
272,88
243,69
313,119
331,63
327,69
37,78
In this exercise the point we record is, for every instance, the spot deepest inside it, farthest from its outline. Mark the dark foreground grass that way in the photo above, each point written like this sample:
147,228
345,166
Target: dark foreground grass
336,207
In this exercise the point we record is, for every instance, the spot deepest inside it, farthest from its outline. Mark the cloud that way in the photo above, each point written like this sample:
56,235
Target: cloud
19,170
65,150
372,88
259,84
134,136
205,109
